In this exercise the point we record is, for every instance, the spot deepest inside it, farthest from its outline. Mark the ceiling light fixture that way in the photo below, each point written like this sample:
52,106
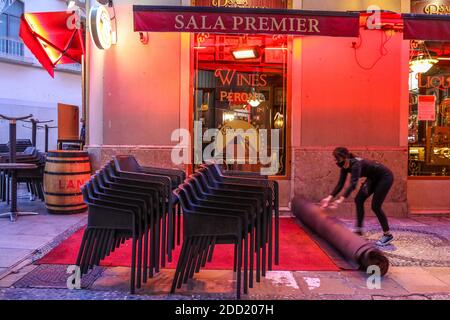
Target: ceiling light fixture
421,60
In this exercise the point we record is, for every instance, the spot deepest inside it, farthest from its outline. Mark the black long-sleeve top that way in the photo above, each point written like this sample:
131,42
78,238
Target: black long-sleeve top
359,168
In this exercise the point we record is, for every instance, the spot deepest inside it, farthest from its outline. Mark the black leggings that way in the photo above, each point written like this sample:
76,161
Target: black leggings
379,188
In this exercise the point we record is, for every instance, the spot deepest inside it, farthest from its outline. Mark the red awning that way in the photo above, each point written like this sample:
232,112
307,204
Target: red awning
426,27
51,38
248,20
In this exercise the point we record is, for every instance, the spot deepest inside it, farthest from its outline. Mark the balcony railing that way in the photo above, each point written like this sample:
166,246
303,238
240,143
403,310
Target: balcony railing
14,50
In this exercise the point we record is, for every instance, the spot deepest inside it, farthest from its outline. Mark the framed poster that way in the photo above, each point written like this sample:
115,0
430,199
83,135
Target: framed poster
427,108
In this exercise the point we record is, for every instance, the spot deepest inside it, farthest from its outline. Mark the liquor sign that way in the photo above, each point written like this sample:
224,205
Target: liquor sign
241,21
427,108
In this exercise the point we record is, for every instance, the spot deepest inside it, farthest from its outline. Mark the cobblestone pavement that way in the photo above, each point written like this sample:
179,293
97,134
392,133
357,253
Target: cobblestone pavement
217,285
418,241
419,256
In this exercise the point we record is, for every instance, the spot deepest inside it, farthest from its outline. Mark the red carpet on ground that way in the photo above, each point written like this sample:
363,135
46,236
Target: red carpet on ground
298,252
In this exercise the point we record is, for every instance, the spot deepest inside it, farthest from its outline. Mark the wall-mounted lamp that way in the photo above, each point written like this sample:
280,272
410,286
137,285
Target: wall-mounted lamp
143,37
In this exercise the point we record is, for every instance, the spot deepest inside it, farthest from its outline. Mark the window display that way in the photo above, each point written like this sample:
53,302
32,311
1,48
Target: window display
240,83
429,109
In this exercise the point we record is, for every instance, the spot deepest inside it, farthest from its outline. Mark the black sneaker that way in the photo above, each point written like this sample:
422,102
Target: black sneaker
358,231
385,240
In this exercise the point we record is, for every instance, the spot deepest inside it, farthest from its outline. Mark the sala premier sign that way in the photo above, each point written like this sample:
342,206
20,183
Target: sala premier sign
246,23
238,20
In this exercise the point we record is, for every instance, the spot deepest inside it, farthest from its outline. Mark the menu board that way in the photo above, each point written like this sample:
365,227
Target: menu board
427,108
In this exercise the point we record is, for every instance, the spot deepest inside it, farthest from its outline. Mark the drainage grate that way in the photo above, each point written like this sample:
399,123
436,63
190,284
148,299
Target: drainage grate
55,276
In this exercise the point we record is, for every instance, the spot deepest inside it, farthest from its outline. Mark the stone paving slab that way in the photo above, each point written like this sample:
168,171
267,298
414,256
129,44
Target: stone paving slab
358,281
418,280
13,277
24,241
10,256
442,274
30,234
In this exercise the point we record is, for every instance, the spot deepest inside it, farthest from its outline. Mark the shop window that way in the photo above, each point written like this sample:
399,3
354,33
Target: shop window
240,83
10,43
429,109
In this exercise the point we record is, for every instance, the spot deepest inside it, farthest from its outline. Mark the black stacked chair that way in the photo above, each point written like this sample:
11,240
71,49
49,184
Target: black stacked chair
140,199
252,189
127,165
21,144
242,177
32,178
203,228
143,204
250,199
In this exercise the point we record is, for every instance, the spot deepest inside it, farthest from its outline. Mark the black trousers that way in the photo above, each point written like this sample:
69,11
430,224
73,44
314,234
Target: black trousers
379,188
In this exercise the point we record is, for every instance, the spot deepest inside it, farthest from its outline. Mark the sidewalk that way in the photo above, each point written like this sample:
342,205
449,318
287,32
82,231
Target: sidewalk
419,256
30,236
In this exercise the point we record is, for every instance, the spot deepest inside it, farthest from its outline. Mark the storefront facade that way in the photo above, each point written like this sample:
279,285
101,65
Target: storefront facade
324,91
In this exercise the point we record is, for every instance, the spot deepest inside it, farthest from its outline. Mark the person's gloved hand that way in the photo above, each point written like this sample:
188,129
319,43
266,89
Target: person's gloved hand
325,202
336,203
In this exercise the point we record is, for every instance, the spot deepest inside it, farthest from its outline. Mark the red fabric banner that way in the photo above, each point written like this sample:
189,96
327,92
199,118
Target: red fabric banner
426,27
238,21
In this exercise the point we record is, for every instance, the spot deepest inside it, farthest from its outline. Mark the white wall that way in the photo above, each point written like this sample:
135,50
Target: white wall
26,89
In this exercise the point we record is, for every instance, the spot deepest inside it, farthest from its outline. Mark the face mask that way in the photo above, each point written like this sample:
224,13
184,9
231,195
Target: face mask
340,164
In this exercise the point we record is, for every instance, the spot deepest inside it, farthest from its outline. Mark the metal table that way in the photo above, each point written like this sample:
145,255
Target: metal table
13,168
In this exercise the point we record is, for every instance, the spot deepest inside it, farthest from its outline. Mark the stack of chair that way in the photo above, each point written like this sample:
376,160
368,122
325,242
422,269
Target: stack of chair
32,178
129,201
221,208
4,148
21,144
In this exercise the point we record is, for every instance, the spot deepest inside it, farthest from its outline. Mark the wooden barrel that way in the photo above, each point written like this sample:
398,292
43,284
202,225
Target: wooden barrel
65,173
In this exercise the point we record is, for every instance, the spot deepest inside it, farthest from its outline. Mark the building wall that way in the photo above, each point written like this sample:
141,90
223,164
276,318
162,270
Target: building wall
26,88
334,102
353,98
135,92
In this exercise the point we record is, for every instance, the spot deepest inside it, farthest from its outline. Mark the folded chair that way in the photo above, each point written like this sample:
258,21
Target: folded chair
128,164
204,227
249,177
